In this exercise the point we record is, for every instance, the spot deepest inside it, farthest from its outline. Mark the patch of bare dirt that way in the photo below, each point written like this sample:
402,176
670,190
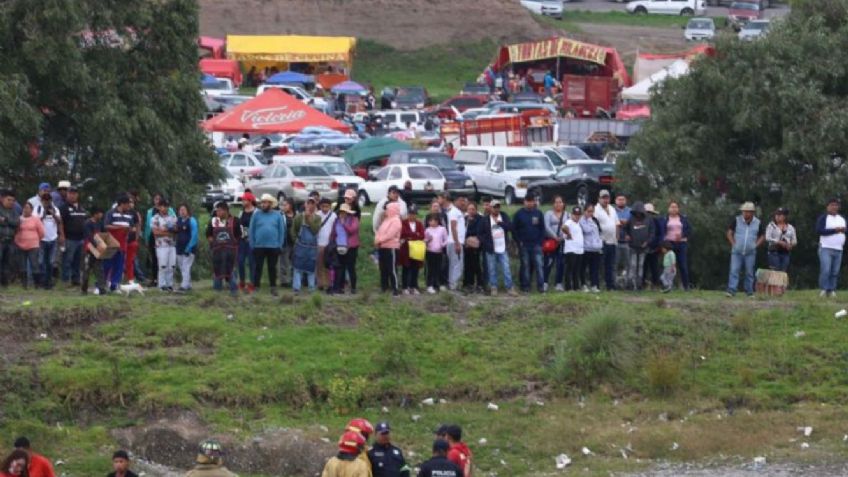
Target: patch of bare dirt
632,40
403,24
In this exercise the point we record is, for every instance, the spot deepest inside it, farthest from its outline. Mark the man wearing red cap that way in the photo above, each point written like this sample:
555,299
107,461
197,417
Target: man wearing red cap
364,428
347,462
245,253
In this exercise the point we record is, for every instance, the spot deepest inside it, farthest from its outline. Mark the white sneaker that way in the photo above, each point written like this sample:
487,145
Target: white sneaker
833,294
406,291
544,287
431,290
585,289
415,291
595,290
823,294
559,288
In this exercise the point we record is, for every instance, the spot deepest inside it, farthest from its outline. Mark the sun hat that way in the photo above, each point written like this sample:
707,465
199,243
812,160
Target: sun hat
346,209
64,185
748,207
649,208
268,198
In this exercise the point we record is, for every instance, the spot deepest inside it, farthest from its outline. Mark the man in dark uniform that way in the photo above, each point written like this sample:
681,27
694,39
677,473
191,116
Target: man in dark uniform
386,459
439,465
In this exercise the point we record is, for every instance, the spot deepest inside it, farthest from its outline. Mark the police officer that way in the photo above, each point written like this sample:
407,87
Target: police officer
386,459
439,465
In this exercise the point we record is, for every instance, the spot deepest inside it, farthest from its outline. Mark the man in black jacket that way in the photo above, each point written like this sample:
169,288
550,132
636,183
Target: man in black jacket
439,465
386,460
493,233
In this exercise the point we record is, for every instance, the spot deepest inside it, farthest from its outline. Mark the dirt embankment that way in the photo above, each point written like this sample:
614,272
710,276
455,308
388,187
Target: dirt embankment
403,24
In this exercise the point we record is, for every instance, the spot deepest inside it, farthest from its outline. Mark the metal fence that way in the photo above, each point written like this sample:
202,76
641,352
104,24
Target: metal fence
573,130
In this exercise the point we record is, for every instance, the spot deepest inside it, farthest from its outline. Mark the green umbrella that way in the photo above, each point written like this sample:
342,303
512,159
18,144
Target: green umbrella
373,148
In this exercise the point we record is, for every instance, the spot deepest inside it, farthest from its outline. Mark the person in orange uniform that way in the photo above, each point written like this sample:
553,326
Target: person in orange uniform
39,466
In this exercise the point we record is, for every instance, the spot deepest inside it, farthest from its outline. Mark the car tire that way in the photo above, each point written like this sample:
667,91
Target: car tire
687,12
582,197
509,196
640,11
363,198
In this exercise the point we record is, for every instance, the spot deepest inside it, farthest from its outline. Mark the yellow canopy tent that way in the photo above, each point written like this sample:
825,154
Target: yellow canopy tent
262,50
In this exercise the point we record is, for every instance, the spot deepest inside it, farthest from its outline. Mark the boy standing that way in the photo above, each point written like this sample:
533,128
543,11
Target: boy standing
164,226
93,226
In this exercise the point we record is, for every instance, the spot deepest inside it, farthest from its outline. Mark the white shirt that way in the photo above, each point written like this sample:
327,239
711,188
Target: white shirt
454,214
326,229
498,235
835,241
575,243
609,221
51,222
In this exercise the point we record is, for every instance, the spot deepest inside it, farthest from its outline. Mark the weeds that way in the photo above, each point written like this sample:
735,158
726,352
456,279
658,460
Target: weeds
346,394
664,371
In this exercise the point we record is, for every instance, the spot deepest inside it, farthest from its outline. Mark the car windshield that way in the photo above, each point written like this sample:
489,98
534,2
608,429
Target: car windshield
476,88
759,26
217,85
410,93
744,6
517,163
442,162
572,152
337,168
599,169
309,171
700,25
424,173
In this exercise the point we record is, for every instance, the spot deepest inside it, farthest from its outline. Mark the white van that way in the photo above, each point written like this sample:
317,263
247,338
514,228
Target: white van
397,118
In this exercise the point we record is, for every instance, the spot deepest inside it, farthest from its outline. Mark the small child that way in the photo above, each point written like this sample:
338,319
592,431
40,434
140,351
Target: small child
93,226
436,238
669,267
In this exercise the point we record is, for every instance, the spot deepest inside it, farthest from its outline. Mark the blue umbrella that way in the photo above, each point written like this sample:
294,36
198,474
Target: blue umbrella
289,77
348,87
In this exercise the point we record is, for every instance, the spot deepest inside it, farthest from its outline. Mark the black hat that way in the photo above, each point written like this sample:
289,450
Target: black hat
121,454
454,432
781,211
22,443
383,428
440,445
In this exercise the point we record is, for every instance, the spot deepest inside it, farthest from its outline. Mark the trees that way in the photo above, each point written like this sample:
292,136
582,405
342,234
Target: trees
102,90
763,121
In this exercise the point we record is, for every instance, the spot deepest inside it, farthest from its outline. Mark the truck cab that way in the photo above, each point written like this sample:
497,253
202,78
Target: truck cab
507,171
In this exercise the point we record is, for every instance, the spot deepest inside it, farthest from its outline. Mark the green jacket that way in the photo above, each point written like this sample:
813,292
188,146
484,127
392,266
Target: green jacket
314,225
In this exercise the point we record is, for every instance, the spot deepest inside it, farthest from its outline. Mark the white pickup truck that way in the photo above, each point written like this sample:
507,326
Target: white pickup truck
508,171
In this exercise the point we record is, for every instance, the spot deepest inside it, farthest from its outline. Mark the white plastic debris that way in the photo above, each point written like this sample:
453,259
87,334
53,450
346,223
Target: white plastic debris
808,431
443,401
675,446
60,463
663,417
503,462
42,336
804,445
385,410
230,317
703,358
562,461
845,438
428,402
324,439
759,462
623,454
260,337
416,417
482,441
324,429
586,451
492,407
800,334
841,313
540,403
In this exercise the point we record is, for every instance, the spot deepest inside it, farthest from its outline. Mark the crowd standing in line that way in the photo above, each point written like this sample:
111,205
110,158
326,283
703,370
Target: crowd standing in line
457,246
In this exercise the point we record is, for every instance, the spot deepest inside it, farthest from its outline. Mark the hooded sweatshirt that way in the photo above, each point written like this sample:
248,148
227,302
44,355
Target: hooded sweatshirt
388,235
9,224
460,455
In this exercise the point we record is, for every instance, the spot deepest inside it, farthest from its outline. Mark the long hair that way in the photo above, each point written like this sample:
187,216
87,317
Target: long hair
16,454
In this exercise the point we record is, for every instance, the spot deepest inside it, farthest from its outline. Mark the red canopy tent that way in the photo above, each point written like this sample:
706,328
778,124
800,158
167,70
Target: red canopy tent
215,46
222,69
272,111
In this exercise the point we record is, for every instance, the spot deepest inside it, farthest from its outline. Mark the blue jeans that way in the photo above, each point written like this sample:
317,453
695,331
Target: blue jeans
71,261
48,253
555,259
218,283
245,254
609,265
737,261
531,261
778,261
681,250
113,269
495,260
830,261
297,280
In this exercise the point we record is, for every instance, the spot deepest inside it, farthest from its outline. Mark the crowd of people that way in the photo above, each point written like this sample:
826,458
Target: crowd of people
459,244
451,457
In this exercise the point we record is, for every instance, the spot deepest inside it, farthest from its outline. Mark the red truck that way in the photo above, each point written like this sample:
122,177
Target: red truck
584,96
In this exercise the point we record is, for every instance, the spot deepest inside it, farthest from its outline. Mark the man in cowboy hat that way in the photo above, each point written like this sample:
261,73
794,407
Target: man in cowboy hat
267,234
745,234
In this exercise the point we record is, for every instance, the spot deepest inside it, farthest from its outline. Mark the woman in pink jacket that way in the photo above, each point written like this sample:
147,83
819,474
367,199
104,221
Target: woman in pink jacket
387,241
28,240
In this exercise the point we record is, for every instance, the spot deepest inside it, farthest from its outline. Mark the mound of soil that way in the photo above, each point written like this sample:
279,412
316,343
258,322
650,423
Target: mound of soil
402,24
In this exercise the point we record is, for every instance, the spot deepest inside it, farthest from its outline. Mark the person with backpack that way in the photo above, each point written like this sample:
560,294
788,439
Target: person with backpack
186,245
639,233
593,246
459,453
305,257
223,235
267,235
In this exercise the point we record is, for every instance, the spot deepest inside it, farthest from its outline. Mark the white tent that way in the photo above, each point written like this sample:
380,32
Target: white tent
641,91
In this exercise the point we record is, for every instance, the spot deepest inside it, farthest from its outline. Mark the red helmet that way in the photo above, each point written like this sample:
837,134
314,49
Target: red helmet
351,442
361,426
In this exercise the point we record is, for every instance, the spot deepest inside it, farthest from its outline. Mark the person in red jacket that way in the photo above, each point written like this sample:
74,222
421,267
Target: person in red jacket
15,465
39,466
459,453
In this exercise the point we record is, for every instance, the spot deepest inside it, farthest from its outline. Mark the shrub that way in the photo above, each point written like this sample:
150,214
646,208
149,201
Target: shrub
600,350
346,395
664,372
392,356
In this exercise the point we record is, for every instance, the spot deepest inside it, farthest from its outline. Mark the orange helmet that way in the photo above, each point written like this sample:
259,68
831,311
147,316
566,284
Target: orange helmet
351,442
361,426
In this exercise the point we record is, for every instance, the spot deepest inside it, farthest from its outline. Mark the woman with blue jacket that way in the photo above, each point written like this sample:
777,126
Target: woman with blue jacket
675,228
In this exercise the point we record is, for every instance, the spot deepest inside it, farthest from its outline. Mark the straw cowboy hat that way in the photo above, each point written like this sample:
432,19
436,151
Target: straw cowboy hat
346,208
268,198
748,207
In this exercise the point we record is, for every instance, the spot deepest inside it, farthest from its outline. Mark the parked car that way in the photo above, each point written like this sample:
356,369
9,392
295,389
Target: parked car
426,180
754,29
516,108
295,181
577,183
463,102
668,7
550,8
220,87
526,97
475,89
397,118
561,155
699,29
457,180
410,97
241,164
318,103
508,171
741,13
335,166
229,190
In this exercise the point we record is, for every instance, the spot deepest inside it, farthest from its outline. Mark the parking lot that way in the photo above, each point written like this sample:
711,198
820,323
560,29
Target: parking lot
776,11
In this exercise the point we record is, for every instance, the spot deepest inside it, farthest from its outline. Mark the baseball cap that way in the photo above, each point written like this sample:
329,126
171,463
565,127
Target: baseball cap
781,211
440,445
63,185
44,186
248,197
604,193
383,428
495,203
577,211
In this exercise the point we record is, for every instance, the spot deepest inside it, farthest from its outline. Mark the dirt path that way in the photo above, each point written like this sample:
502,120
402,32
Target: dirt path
746,470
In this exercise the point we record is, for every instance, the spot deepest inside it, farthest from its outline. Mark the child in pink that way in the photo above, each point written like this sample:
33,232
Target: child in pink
436,238
28,240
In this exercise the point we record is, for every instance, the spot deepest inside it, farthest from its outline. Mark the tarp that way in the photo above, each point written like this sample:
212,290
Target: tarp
290,77
222,69
272,111
348,87
561,47
649,63
291,48
634,111
215,46
373,148
641,91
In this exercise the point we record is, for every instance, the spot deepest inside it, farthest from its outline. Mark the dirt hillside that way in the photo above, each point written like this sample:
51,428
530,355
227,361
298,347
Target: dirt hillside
403,24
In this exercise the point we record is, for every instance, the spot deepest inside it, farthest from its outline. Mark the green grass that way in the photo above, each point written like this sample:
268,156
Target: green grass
618,18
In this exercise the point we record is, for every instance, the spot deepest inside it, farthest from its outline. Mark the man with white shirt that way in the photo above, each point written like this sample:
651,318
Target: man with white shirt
54,237
831,230
456,239
608,220
328,222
